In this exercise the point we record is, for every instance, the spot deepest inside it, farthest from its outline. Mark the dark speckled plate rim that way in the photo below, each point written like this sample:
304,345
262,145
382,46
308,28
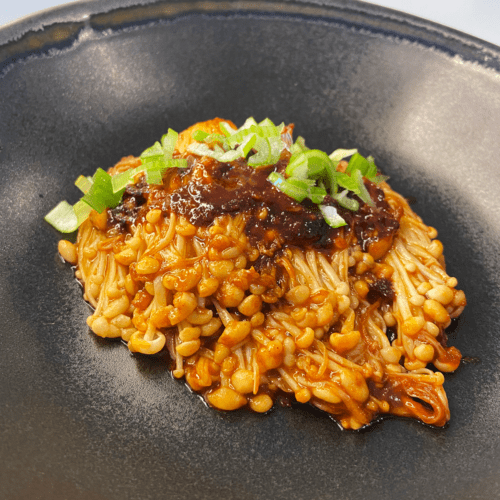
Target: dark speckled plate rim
60,26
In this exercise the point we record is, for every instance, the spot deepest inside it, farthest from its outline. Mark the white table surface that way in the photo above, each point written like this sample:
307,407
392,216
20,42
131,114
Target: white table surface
479,18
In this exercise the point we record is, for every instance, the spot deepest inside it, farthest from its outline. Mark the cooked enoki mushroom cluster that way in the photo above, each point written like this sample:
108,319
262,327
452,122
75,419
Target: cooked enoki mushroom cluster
353,331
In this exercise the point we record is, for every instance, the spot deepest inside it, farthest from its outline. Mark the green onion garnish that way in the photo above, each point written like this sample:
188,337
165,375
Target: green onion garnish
340,154
101,195
331,216
297,192
310,173
199,135
84,183
103,191
343,201
63,217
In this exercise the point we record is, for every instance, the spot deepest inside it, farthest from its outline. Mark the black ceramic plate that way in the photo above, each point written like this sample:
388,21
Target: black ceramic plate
82,85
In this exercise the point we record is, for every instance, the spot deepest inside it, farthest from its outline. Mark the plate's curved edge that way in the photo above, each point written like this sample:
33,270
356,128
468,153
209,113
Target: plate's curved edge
59,27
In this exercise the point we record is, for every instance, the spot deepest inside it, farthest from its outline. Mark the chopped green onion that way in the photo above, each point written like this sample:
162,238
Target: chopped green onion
155,160
265,129
299,146
294,191
123,179
154,176
202,149
276,178
84,183
347,182
217,153
248,123
366,166
340,154
331,216
379,178
153,152
310,173
216,138
317,161
266,122
103,191
268,151
308,164
277,146
227,130
346,202
264,153
63,217
362,191
331,176
231,155
263,137
316,194
199,135
297,166
302,183
168,142
101,195
82,211
246,146
66,218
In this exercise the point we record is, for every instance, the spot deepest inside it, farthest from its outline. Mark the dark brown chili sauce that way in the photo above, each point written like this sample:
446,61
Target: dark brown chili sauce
208,189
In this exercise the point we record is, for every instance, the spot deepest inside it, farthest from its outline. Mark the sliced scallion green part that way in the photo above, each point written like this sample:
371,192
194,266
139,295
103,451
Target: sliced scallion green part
216,138
123,179
362,191
264,153
266,122
82,211
101,196
153,152
154,170
346,202
227,130
63,217
246,146
340,154
231,155
84,183
308,164
248,123
310,173
67,218
347,182
168,142
331,216
297,166
103,191
296,192
302,183
316,194
379,178
276,178
201,149
299,146
199,135
317,162
154,176
268,151
364,165
277,147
